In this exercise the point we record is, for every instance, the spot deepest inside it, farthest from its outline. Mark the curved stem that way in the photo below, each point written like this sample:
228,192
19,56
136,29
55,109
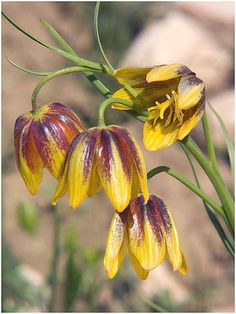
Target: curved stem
48,78
55,259
187,183
106,103
96,13
27,70
218,183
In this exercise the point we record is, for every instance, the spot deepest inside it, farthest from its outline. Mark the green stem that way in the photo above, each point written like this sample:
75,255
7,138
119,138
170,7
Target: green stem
228,245
217,182
89,75
209,142
53,277
96,13
187,183
79,61
48,78
106,103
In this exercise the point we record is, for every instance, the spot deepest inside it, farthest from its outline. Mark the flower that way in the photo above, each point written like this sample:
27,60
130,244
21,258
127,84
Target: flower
173,95
42,139
149,233
107,157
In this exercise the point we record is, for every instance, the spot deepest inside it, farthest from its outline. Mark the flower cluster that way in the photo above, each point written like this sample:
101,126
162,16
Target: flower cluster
85,160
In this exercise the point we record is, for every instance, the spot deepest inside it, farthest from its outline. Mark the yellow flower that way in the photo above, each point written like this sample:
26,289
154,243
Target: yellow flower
173,96
148,232
107,157
42,139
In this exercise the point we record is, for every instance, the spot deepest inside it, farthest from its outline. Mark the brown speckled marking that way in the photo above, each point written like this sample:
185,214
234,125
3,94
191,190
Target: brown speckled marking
154,218
136,217
160,210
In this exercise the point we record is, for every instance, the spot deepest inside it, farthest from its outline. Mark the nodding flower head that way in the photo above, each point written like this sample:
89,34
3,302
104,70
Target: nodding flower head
42,140
107,157
148,232
173,96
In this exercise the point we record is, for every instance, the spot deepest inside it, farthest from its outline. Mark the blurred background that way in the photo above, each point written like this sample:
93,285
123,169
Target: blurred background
198,34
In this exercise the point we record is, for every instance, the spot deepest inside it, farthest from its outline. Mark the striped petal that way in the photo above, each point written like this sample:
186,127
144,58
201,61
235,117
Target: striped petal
136,156
94,184
191,118
191,91
167,72
131,75
80,166
115,246
172,240
28,160
51,144
114,169
158,136
146,238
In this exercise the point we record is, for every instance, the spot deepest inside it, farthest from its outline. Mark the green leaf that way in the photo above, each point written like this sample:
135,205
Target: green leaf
27,217
209,210
172,172
27,70
229,144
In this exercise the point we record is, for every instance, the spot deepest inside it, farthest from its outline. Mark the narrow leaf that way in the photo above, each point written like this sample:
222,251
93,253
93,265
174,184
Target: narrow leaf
27,70
229,144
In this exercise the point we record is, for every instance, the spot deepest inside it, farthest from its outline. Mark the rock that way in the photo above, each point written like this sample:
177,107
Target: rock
179,38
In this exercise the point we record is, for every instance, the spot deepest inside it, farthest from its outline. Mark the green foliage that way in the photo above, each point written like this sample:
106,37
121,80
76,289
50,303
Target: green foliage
27,217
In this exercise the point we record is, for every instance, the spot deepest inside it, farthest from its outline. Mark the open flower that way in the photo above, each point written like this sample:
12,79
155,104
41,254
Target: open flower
148,232
107,157
42,140
173,96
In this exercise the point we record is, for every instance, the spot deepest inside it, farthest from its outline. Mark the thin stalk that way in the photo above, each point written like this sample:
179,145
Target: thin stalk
218,183
211,215
27,70
188,184
50,77
209,142
53,276
96,32
106,103
91,65
89,75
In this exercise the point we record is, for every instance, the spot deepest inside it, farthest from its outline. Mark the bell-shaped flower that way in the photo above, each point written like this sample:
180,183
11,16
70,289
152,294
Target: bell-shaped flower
148,232
42,140
107,157
173,96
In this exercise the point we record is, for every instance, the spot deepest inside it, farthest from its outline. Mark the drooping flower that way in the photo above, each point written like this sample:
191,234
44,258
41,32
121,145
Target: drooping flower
42,140
148,232
107,157
173,96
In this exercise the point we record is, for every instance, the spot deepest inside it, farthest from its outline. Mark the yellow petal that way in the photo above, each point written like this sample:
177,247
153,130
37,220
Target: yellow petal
183,269
166,72
157,136
62,185
115,246
80,166
137,160
191,91
94,184
173,245
144,244
191,119
29,162
131,75
140,271
114,169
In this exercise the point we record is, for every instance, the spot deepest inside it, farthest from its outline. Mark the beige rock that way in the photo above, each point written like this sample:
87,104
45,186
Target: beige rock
179,38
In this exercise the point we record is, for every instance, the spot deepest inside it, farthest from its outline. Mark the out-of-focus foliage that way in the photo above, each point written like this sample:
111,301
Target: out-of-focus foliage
27,217
18,293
